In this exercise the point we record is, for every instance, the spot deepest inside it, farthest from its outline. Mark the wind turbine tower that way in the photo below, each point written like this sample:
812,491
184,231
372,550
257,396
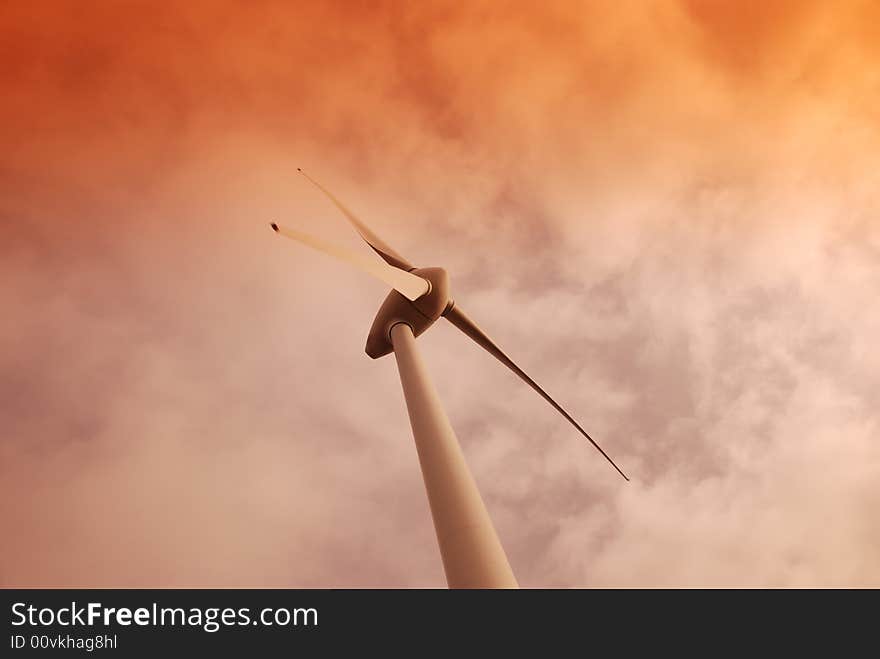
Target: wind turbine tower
469,546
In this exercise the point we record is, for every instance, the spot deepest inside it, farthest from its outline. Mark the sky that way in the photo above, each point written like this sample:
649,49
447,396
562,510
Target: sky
667,212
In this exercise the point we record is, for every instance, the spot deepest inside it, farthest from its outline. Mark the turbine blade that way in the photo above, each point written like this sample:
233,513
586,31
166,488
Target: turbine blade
379,246
407,284
457,317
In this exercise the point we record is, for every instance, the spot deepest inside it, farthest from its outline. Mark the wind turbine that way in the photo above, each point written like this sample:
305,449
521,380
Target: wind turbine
469,547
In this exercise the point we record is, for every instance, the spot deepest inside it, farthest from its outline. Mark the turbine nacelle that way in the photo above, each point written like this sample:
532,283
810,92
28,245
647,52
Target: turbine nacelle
419,314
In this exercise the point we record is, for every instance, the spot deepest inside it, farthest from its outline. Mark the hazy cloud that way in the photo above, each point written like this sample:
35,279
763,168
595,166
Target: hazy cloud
667,212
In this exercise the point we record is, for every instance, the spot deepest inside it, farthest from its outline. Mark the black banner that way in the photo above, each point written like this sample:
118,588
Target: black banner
147,622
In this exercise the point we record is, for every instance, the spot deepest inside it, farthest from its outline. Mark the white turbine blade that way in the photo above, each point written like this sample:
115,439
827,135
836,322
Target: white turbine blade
458,318
382,248
407,284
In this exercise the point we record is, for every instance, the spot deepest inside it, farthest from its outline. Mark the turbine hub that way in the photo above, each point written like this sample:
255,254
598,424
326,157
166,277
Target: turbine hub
419,315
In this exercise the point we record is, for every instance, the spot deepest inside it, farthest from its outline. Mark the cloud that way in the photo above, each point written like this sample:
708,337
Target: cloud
668,214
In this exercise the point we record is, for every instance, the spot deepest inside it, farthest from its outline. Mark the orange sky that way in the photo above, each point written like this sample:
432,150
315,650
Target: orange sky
667,212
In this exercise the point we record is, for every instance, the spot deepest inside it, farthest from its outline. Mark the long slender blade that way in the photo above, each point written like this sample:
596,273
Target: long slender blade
457,317
380,246
407,284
